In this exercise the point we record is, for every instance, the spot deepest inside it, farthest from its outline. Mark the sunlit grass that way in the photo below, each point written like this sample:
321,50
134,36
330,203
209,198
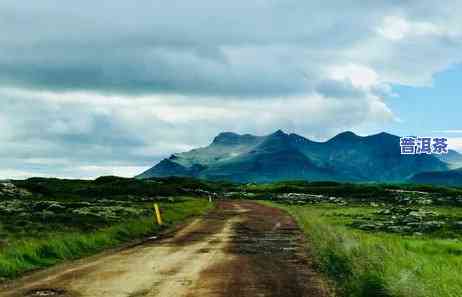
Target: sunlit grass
380,264
25,255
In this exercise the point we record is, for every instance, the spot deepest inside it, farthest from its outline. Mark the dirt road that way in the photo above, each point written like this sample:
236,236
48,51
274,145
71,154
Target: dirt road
240,249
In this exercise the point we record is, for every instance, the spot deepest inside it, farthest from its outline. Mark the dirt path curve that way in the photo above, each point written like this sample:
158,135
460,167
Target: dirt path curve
239,249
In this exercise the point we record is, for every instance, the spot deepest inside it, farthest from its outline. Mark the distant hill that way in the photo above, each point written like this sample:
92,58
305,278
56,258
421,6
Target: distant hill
453,158
448,178
281,156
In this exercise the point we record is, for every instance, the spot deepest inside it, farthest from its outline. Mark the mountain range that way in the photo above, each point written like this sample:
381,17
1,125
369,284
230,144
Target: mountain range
447,178
282,156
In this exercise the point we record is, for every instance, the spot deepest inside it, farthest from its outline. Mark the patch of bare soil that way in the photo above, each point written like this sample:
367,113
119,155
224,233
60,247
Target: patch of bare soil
239,249
267,257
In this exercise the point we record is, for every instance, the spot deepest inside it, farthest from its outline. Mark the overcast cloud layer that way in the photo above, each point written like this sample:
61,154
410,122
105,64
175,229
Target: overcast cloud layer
110,87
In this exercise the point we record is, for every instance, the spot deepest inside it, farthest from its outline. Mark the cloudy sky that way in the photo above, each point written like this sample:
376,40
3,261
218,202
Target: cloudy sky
91,88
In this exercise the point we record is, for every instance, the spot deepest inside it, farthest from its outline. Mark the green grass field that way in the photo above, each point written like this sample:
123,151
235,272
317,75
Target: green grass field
364,263
42,241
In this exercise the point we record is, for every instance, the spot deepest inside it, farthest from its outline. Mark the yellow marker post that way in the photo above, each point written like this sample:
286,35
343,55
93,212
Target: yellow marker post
158,217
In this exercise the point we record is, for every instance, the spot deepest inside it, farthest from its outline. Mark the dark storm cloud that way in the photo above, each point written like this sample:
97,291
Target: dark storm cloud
155,70
207,47
43,129
245,48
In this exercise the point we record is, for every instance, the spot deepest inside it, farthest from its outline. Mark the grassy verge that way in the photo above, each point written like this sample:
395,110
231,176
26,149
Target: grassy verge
25,255
379,264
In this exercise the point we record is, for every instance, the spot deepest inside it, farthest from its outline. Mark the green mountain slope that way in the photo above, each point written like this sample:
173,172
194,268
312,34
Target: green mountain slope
281,156
453,158
448,178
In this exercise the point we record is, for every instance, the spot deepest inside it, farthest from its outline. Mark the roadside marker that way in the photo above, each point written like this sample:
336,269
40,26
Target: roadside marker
158,217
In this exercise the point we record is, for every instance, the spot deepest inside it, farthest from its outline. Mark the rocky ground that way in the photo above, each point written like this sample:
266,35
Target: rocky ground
26,218
423,198
301,199
9,190
287,198
407,220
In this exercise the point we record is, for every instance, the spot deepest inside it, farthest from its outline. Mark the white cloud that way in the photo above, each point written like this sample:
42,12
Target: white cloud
20,174
397,28
359,75
455,143
394,28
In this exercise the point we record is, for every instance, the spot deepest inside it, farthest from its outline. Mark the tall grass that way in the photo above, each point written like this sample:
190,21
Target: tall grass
26,255
377,264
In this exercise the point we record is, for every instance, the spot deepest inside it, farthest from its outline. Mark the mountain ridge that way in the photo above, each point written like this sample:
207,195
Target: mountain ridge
448,178
281,156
